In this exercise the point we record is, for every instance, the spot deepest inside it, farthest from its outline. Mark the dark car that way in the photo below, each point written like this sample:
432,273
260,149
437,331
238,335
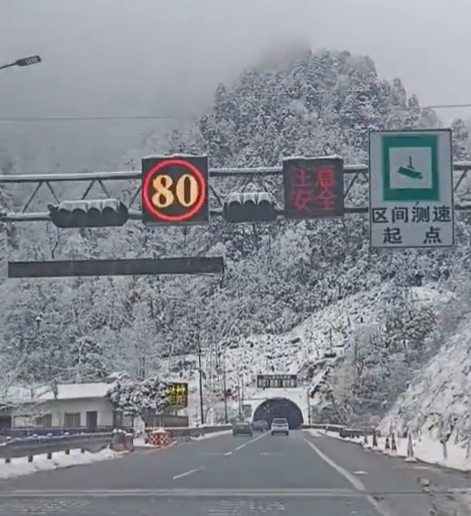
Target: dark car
242,428
260,425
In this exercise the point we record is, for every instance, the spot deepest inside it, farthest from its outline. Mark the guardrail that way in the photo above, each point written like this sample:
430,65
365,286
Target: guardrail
47,445
21,432
344,431
34,445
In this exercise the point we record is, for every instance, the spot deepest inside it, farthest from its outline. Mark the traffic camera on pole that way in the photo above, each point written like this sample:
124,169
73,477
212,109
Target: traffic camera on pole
249,207
89,214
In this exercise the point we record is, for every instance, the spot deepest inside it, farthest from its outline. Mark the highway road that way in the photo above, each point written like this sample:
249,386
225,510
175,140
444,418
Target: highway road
299,475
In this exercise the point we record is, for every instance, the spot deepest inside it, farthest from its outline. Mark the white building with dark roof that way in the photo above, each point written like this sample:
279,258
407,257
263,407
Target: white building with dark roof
63,405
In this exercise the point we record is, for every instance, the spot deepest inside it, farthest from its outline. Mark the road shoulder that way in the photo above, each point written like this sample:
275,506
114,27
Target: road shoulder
412,489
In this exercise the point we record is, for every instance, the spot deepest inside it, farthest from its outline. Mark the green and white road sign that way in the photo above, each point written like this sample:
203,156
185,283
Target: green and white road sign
411,189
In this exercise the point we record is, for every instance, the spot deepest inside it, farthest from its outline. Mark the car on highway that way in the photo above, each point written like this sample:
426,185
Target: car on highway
242,428
260,425
279,425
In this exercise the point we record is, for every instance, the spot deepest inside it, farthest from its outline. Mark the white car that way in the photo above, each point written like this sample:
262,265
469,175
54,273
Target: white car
279,425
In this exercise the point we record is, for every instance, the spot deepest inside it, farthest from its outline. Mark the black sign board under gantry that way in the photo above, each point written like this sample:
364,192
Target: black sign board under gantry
141,267
277,381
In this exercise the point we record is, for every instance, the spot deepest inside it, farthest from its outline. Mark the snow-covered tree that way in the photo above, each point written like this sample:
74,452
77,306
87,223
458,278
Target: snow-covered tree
277,275
139,399
461,140
87,363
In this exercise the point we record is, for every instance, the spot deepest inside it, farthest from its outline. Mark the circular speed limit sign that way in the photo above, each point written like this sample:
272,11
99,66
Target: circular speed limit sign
173,191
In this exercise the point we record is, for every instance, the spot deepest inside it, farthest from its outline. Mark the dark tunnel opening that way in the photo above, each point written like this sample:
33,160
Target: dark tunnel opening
279,407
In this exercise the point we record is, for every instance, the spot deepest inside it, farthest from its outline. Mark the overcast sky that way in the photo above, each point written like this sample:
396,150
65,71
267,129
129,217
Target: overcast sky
164,57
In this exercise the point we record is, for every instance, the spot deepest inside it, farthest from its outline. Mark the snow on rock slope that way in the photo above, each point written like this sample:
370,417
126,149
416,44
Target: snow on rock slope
307,350
437,404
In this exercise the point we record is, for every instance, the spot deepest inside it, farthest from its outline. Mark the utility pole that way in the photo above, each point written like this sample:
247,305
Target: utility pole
224,386
309,415
239,395
200,370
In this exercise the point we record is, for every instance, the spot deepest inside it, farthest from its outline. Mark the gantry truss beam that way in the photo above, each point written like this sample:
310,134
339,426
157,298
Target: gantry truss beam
352,174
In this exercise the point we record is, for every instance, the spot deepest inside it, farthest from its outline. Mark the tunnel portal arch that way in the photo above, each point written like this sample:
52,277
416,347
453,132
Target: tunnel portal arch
279,407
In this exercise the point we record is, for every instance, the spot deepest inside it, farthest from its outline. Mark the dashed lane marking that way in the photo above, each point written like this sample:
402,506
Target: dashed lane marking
250,442
186,473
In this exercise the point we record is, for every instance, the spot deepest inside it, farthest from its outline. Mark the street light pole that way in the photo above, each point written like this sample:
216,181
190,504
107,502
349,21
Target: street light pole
24,61
200,382
239,394
7,66
224,387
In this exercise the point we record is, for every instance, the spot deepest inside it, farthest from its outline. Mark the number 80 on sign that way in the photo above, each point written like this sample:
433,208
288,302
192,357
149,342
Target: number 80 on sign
175,190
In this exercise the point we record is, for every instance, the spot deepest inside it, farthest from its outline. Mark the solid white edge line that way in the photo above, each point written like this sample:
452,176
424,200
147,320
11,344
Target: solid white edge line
355,482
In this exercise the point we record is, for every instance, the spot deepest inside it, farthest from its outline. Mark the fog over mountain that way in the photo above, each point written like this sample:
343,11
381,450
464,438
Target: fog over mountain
148,57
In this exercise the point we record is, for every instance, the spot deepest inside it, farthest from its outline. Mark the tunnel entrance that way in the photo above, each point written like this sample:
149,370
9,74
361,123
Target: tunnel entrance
279,407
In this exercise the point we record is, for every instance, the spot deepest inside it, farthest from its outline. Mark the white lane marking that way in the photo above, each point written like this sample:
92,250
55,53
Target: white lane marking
243,445
355,482
249,442
186,473
207,493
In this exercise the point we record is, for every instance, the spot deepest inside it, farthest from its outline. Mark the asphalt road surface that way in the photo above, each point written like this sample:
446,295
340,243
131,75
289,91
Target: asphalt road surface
299,475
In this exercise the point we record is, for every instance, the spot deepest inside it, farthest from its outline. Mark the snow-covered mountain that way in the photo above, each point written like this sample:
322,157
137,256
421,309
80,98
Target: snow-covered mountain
279,276
437,402
357,354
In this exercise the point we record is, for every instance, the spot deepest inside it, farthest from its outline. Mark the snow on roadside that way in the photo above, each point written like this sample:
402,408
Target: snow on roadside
425,449
20,466
437,403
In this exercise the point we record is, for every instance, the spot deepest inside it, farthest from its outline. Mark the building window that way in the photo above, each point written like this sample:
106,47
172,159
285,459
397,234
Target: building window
45,421
72,419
